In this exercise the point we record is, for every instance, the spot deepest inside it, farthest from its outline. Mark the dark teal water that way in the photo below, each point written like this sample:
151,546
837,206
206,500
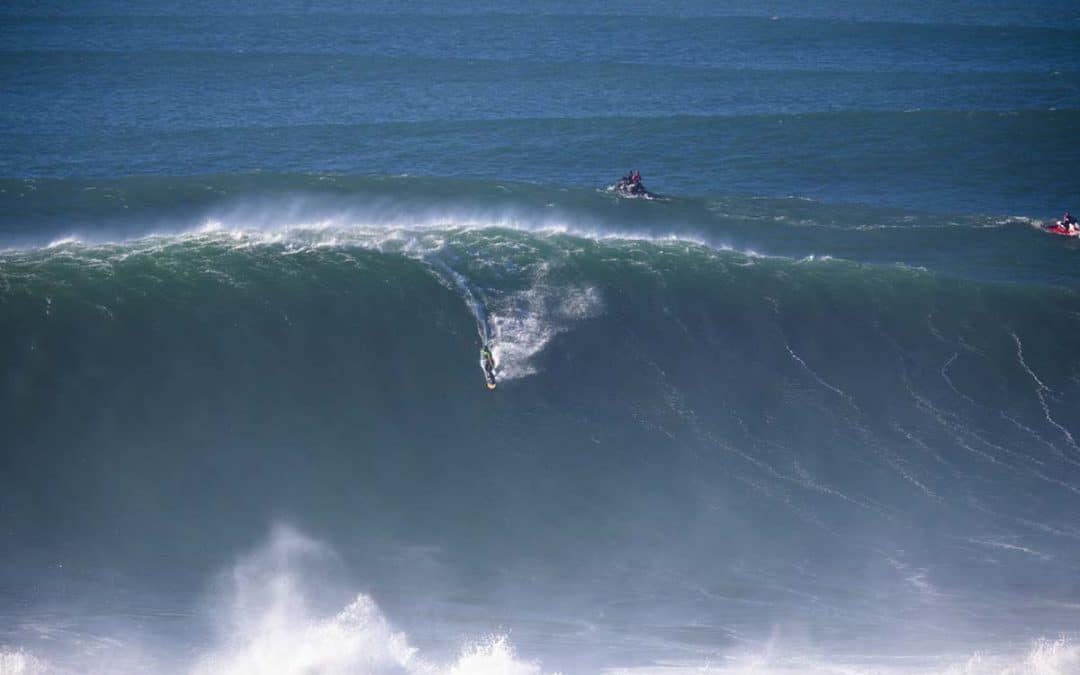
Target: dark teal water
967,107
811,412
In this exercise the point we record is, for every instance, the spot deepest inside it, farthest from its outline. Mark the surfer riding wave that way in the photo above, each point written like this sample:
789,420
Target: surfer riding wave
487,361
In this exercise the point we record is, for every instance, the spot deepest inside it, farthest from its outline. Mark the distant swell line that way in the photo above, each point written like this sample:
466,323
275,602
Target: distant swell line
627,16
470,63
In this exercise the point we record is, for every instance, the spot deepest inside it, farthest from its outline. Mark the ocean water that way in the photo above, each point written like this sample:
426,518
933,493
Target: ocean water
813,410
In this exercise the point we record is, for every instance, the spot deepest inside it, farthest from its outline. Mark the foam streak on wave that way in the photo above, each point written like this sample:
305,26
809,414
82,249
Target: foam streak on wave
836,390
1040,391
476,306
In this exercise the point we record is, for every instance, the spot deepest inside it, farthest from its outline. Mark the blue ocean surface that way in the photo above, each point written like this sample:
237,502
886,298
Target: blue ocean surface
808,408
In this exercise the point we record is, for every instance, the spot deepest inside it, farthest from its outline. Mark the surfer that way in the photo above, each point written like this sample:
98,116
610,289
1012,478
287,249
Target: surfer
1068,221
488,360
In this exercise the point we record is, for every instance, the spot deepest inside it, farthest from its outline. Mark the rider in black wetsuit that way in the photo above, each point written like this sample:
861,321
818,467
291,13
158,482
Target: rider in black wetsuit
489,362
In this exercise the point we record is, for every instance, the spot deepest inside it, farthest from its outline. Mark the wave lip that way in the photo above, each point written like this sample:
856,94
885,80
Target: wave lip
407,214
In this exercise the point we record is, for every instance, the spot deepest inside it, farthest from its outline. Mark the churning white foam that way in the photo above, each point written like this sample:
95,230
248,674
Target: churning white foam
19,662
269,625
525,321
1043,657
270,622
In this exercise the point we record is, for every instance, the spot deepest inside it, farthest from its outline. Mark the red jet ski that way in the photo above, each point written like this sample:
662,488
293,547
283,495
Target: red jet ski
1060,228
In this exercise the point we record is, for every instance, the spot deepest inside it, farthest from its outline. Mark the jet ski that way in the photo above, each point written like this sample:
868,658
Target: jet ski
1061,228
631,189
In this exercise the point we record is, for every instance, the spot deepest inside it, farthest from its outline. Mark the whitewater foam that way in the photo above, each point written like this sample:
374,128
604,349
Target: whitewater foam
20,662
268,624
524,322
270,620
1060,656
271,626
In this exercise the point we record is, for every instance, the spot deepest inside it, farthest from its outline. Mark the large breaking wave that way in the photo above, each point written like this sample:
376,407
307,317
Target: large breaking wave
738,432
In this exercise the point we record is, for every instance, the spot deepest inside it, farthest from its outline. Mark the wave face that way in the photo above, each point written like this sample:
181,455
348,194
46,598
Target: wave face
809,411
709,443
